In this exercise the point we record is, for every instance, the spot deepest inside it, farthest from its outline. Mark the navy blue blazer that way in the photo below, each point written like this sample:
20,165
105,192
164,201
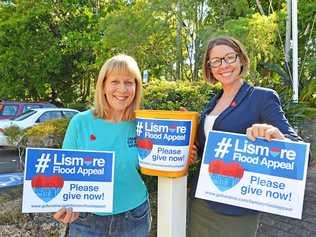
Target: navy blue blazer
251,105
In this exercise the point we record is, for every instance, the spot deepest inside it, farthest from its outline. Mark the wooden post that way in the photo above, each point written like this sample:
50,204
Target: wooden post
172,206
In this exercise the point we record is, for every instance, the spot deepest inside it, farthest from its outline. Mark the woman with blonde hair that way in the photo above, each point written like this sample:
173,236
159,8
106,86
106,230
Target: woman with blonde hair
111,126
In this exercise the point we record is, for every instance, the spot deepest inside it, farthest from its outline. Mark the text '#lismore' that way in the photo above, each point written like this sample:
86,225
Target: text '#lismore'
164,132
260,155
85,166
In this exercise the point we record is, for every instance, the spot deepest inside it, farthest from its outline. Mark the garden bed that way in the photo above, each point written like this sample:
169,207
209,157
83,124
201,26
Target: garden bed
15,224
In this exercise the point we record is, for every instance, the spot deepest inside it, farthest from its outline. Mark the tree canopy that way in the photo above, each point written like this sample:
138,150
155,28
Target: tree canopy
52,50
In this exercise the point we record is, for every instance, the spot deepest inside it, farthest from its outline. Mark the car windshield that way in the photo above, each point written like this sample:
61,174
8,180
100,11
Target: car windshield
24,115
9,110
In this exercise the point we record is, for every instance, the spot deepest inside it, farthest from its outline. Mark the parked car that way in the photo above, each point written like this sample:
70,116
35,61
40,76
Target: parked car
13,109
33,117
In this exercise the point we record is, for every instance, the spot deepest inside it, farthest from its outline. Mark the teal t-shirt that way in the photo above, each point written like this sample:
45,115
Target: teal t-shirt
87,132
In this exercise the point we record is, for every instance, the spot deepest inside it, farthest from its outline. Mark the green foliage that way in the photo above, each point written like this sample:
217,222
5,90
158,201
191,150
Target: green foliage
171,95
46,50
141,31
78,106
13,134
296,113
307,39
53,50
308,93
47,134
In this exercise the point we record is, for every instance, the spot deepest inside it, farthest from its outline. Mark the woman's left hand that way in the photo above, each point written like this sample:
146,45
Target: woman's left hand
193,155
193,152
265,131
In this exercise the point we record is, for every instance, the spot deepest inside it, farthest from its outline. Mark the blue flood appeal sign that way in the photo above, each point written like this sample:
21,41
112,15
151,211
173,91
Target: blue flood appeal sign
71,164
164,132
56,178
278,158
267,176
163,144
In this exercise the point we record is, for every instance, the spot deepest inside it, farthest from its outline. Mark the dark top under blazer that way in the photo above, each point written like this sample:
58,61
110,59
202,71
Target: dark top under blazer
251,105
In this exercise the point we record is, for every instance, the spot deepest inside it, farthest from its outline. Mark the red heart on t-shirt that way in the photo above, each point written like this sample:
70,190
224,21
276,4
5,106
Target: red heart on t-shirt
92,137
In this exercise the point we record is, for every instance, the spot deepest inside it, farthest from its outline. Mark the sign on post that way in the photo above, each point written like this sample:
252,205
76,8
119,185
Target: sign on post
56,178
261,175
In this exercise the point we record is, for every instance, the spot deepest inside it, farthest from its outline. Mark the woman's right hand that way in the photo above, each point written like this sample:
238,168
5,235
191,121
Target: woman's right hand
66,215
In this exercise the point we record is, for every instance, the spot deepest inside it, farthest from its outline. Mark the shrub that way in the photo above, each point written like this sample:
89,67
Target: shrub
171,95
78,106
308,94
13,134
47,134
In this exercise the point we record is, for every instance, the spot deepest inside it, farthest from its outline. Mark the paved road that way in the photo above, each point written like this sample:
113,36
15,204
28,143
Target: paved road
8,160
280,226
11,179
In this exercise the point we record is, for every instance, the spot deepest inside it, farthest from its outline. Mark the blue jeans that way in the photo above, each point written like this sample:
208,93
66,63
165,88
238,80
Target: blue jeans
133,223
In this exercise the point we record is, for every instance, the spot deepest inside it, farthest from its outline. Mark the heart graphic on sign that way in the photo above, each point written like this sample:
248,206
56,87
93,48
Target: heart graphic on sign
172,128
144,147
275,151
47,187
87,160
225,175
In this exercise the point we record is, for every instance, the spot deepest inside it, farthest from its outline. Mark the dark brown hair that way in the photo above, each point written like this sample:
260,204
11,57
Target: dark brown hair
230,42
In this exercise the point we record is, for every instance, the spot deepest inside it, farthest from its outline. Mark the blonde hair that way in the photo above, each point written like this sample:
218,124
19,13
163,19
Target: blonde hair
230,42
117,64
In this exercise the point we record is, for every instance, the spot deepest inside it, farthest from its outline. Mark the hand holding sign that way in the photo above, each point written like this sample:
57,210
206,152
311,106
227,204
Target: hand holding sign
81,181
260,175
66,215
265,131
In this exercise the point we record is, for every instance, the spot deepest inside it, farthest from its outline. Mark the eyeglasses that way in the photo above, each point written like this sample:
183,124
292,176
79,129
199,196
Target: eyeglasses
216,62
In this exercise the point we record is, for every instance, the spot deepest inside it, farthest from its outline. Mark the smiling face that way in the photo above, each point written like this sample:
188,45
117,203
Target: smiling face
226,73
119,90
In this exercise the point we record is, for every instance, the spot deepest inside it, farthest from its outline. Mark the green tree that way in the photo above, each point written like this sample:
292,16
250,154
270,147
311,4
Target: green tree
140,29
46,50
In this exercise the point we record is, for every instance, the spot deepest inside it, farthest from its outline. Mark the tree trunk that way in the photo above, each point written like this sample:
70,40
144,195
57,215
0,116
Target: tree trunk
260,7
178,42
288,33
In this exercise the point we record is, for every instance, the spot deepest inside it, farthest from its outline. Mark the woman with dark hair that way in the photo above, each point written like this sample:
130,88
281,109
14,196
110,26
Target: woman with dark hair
239,108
